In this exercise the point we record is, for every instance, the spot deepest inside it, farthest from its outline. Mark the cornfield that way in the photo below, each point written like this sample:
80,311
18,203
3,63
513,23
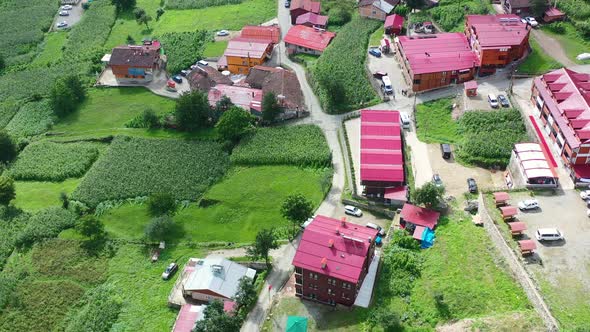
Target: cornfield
197,4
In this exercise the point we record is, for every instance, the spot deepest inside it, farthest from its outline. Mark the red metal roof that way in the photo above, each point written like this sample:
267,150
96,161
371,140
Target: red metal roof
343,246
398,193
501,196
307,5
187,316
419,216
517,226
243,97
508,211
312,18
381,156
304,36
527,245
470,85
418,231
554,12
394,21
245,47
443,52
501,30
267,33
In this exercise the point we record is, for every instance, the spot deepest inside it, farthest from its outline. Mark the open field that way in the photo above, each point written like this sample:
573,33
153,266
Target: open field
434,123
537,62
247,200
51,48
214,49
34,196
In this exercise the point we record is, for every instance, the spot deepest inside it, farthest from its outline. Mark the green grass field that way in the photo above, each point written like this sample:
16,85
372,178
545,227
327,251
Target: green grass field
214,49
570,41
538,62
247,200
231,17
52,48
375,38
434,123
34,196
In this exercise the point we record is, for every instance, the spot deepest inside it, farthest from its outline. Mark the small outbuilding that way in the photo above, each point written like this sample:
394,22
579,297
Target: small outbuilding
527,247
553,14
471,88
517,227
394,24
501,198
508,212
420,222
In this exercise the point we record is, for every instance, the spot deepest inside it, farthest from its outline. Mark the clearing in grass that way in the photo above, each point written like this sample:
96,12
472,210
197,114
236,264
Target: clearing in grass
134,167
33,196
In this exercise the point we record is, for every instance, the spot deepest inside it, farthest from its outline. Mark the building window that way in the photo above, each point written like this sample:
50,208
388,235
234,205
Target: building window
417,81
374,12
332,282
330,292
346,285
310,285
315,287
298,270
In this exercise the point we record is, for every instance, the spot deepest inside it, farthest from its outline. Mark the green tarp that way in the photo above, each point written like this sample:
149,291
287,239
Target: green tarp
296,324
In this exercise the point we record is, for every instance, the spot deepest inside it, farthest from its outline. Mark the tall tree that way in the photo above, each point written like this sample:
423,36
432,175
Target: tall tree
297,209
270,107
234,123
415,4
159,13
160,204
159,228
66,94
265,241
142,17
192,111
7,148
245,296
93,229
429,194
124,5
216,320
538,7
7,192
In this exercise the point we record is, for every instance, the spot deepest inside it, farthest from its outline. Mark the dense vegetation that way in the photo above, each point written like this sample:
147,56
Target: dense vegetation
32,119
296,145
8,109
196,4
341,81
133,167
47,161
450,14
183,48
45,224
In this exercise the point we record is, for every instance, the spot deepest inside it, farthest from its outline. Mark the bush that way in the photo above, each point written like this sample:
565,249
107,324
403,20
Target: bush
147,119
402,10
197,4
556,27
303,145
99,310
66,94
159,228
339,16
32,119
160,204
134,167
48,161
192,111
47,223
235,123
7,191
583,28
183,48
7,148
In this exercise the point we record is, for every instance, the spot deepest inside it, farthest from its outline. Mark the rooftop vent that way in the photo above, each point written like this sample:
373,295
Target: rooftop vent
217,269
324,262
343,221
331,243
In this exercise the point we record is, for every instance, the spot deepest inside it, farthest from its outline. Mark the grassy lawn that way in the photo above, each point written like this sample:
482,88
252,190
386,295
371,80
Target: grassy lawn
538,62
52,51
215,49
247,200
308,60
375,38
434,123
568,300
33,196
570,41
211,18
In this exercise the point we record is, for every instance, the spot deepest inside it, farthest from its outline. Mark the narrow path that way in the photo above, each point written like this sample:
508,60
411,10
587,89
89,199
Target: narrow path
552,47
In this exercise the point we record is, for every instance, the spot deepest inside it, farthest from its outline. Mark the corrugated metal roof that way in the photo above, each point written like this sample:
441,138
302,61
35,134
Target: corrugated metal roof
245,47
311,38
268,33
312,18
419,216
308,5
394,21
498,30
217,274
246,98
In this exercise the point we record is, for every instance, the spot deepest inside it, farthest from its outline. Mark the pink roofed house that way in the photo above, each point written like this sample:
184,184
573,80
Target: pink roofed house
247,98
332,261
394,24
266,33
313,20
303,39
300,7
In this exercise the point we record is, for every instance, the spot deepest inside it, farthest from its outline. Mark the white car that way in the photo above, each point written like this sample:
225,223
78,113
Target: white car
531,21
353,210
548,234
585,194
493,101
307,222
67,7
62,24
529,204
64,13
222,33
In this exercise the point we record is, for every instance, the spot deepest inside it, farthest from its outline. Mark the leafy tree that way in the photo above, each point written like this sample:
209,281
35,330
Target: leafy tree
65,201
93,229
234,123
415,4
336,94
150,119
130,40
223,104
429,194
385,318
7,192
142,17
159,13
158,228
192,111
7,147
66,94
538,7
216,320
270,107
161,204
265,241
297,209
402,239
124,5
245,296
339,15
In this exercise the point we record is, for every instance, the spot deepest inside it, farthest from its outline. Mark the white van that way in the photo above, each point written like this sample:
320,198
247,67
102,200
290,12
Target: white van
404,120
548,234
386,85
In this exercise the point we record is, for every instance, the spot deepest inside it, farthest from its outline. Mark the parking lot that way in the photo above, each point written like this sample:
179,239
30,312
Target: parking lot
75,14
480,102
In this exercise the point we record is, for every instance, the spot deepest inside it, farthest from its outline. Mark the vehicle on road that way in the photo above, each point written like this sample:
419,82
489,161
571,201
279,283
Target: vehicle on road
493,101
404,119
67,7
287,4
375,52
437,180
170,270
386,85
528,204
184,72
222,33
445,149
548,234
353,210
377,227
177,79
585,194
62,24
471,185
531,21
503,101
64,13
202,63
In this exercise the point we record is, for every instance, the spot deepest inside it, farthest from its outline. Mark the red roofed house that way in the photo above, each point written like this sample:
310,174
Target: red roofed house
246,98
382,160
438,61
135,62
498,40
562,101
313,20
242,54
257,32
413,216
553,14
300,7
303,39
394,24
335,262
376,9
519,7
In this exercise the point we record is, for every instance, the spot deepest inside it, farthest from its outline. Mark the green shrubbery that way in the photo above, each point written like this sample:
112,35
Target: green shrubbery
576,9
295,145
135,167
32,119
196,4
8,109
183,48
45,224
341,81
12,222
556,27
99,310
450,15
47,161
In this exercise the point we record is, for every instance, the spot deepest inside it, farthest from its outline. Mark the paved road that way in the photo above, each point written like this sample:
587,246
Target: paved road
552,47
75,16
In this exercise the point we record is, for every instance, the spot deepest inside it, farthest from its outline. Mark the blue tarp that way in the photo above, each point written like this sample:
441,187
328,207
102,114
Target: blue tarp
378,240
427,238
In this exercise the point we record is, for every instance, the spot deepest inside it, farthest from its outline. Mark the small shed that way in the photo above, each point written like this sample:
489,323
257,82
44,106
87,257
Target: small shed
394,24
501,198
508,212
517,227
418,216
553,14
471,88
527,247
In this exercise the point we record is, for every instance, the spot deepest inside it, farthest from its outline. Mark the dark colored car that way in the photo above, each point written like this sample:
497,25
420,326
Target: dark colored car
503,101
472,185
375,52
445,149
170,270
287,4
177,79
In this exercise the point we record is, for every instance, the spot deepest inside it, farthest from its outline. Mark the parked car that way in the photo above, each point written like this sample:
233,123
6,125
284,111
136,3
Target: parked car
184,72
170,270
67,7
177,79
375,52
493,101
471,185
202,63
503,101
287,4
377,227
585,194
404,120
353,210
528,204
386,85
548,234
437,180
531,21
62,24
379,74
308,221
222,33
445,149
64,13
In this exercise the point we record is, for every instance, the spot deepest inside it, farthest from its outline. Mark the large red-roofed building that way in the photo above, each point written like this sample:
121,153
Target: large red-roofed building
497,40
332,260
436,61
562,101
303,39
300,7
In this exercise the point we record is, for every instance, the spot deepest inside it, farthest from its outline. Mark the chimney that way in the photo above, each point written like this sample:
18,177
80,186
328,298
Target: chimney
331,243
324,263
343,221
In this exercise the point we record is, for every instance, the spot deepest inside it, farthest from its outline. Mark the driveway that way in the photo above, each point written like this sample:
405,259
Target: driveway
75,16
552,47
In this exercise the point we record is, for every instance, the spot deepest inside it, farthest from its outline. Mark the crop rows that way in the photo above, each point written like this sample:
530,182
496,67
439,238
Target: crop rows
183,48
196,4
133,167
48,161
32,119
296,145
8,109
